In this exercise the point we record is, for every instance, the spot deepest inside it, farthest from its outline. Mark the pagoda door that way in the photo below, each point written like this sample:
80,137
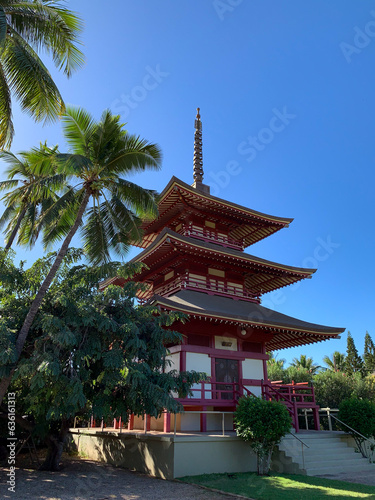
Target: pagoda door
226,372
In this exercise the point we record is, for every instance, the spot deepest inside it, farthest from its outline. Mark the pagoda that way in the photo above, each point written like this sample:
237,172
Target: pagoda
196,264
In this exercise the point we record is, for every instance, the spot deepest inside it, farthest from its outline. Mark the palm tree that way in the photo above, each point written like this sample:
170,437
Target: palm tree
101,153
306,363
35,191
336,362
27,27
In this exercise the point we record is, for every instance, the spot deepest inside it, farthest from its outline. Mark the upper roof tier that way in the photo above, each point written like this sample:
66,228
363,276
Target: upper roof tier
179,202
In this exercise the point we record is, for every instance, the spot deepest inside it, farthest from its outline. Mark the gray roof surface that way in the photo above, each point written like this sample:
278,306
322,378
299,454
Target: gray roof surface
198,302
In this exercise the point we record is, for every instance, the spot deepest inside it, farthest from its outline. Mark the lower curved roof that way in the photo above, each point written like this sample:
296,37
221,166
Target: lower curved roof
287,331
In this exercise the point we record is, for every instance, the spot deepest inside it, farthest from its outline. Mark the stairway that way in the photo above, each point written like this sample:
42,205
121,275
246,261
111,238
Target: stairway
328,453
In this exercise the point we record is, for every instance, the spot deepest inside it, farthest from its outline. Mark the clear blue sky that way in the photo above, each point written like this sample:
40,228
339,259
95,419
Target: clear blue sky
245,63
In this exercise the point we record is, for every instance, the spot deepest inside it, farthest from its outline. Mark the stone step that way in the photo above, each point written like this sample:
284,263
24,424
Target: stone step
334,462
331,457
320,471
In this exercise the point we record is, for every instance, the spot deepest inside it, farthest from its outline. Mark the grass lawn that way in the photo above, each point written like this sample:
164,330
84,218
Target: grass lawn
283,487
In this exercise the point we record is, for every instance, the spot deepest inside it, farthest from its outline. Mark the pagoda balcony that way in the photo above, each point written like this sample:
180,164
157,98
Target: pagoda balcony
212,287
210,235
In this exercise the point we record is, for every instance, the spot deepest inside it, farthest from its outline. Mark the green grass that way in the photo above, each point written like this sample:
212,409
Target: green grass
283,487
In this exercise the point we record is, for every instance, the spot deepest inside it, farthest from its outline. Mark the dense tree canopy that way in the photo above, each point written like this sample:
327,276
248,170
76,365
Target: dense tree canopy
101,158
89,352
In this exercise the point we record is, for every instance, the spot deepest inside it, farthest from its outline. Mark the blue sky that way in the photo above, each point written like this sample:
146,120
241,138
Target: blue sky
244,63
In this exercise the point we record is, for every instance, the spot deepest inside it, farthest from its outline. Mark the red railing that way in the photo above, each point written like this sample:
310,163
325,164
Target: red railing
217,393
294,397
215,287
211,235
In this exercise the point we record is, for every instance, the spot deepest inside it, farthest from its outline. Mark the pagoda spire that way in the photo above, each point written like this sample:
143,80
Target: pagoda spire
198,160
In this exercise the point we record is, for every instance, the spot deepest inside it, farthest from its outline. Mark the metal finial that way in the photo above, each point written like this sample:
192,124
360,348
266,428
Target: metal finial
198,159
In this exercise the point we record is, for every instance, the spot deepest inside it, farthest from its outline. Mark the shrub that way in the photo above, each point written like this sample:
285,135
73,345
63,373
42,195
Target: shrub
359,414
263,424
332,387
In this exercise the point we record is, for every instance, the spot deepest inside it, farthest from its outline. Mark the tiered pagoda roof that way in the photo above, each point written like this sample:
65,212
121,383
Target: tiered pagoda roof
195,262
179,200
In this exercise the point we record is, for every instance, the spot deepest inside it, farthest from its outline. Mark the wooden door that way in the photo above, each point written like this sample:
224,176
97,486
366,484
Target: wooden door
226,372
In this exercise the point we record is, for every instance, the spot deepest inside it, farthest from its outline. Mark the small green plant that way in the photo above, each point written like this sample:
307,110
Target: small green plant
263,424
359,414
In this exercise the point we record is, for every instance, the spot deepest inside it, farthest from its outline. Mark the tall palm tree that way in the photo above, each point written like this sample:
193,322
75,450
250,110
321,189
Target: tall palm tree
101,154
306,363
27,27
35,190
336,362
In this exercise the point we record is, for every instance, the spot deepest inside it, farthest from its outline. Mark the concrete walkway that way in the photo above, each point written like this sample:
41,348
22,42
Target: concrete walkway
87,480
367,477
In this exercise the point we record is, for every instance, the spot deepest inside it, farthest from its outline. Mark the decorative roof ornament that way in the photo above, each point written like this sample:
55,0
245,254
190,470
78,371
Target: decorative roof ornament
198,159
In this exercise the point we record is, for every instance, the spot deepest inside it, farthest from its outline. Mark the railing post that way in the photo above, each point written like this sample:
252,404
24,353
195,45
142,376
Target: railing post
203,420
223,422
167,421
306,419
329,419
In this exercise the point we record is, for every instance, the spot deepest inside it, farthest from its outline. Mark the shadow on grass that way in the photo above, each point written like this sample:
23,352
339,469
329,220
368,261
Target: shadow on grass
283,487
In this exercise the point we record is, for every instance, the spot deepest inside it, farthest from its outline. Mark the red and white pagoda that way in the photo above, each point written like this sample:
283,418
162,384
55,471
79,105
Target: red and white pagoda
196,264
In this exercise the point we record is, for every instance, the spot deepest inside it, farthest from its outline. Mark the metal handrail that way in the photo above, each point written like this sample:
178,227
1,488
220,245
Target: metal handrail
353,430
302,445
200,413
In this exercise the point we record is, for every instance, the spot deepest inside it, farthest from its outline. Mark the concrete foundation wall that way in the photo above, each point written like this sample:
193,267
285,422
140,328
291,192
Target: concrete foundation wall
163,456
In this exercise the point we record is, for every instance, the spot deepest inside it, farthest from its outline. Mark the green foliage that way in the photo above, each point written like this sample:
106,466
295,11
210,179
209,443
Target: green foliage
359,414
88,352
332,387
369,354
305,363
263,424
27,28
336,362
353,362
297,374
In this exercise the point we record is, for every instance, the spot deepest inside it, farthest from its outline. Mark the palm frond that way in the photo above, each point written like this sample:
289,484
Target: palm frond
78,126
31,81
48,26
141,201
135,155
6,123
3,26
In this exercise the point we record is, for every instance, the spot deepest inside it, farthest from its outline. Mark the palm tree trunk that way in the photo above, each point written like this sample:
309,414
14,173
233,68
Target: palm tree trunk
21,339
15,230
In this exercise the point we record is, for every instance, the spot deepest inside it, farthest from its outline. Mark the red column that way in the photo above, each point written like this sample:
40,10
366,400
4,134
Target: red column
131,422
167,422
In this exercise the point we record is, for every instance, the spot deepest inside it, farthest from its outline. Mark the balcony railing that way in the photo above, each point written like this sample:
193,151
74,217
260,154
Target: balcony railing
211,235
209,285
216,393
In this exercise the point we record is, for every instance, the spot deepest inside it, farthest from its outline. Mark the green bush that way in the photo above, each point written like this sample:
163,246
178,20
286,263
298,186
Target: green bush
359,414
263,424
332,387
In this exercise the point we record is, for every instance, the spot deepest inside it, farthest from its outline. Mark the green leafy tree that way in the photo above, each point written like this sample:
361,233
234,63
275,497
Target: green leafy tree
101,154
369,354
275,367
296,375
263,424
26,28
305,362
353,361
336,362
331,388
34,191
89,352
359,415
